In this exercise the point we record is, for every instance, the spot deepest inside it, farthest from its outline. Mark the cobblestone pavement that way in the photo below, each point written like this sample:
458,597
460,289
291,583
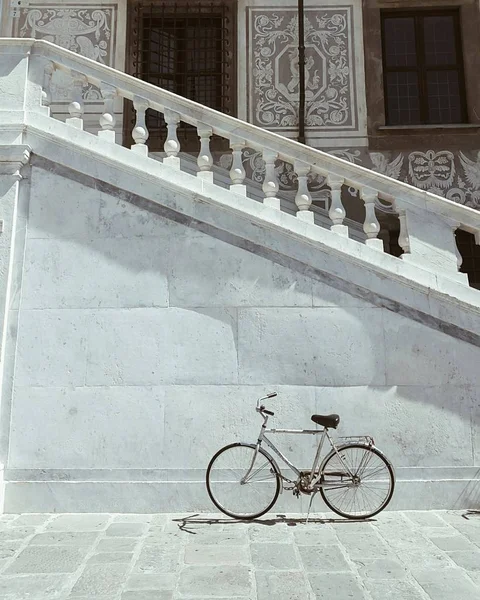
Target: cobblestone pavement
396,556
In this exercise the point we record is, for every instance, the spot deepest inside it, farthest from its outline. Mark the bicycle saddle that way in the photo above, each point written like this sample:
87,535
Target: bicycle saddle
326,420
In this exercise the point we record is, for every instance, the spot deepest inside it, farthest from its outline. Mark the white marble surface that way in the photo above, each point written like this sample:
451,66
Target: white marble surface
140,395
317,346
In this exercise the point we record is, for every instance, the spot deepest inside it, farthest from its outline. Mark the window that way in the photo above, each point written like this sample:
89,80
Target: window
422,68
186,48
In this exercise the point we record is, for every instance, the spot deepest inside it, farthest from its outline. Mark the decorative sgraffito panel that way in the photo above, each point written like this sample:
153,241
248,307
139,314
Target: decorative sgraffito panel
86,29
329,69
453,175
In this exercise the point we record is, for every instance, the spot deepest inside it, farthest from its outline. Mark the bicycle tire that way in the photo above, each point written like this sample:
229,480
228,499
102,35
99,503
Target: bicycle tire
331,470
232,488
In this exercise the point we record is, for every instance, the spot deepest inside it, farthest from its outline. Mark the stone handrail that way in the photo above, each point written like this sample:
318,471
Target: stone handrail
427,221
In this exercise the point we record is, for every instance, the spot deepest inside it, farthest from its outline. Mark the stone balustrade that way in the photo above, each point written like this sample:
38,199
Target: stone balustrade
427,222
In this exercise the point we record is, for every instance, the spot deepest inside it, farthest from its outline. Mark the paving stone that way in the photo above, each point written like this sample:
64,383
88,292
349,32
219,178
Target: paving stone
115,544
165,581
470,561
435,532
369,545
133,518
271,533
215,581
126,529
8,549
381,568
453,543
159,520
100,580
274,556
340,586
147,595
199,554
26,587
32,520
443,589
110,557
314,536
47,559
424,558
475,577
285,585
425,518
16,533
82,522
64,538
8,517
89,597
158,559
432,575
228,538
394,590
166,538
323,559
346,526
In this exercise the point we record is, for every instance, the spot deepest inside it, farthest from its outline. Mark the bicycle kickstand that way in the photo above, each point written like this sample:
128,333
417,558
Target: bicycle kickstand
310,505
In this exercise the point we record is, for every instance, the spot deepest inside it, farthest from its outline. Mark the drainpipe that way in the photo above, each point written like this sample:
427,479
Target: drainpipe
301,73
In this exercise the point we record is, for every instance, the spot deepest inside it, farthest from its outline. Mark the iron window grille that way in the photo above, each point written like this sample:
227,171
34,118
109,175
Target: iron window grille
187,48
423,67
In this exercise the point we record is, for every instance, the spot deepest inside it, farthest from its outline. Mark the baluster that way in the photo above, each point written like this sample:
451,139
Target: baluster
371,226
47,87
403,239
107,119
140,131
237,172
270,183
76,106
205,158
172,145
303,200
336,211
457,251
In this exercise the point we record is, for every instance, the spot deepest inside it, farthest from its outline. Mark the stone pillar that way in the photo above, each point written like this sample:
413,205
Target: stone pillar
428,240
12,159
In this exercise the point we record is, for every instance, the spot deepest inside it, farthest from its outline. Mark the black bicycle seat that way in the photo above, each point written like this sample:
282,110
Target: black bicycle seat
326,420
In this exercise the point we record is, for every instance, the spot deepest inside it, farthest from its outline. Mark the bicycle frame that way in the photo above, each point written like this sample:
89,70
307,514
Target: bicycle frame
313,479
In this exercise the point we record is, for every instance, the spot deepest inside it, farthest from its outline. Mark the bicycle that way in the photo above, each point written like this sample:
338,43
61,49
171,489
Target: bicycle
244,480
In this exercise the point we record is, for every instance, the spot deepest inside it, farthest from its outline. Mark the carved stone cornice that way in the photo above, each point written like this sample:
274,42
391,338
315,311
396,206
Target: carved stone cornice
13,158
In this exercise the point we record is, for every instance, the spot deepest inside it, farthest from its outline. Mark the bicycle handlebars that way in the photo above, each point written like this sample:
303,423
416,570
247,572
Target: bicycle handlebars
261,408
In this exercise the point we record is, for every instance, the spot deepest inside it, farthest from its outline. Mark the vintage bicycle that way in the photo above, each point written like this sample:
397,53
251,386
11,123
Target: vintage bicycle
355,479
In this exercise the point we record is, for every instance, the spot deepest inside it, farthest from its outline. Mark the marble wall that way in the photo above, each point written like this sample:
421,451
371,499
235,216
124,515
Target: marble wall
141,345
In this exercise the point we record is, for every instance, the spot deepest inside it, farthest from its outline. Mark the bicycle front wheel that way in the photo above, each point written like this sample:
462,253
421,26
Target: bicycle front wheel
358,482
241,482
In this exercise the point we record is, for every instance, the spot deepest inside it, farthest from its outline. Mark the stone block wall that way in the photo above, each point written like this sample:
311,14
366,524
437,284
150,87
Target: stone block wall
138,346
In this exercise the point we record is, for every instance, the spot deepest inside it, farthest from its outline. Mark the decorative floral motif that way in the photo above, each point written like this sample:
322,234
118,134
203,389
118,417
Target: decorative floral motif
382,165
452,175
328,85
83,29
431,170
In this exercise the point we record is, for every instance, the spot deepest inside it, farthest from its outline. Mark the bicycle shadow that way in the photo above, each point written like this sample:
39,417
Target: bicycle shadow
196,519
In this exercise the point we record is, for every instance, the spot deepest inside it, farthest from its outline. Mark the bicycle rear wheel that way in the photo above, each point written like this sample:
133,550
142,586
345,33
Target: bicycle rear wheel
237,487
363,493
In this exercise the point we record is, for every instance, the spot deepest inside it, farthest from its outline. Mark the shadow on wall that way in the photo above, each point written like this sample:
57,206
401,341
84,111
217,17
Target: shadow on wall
141,260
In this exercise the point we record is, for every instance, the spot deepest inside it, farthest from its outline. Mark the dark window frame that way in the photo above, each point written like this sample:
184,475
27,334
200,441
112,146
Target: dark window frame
145,15
421,69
